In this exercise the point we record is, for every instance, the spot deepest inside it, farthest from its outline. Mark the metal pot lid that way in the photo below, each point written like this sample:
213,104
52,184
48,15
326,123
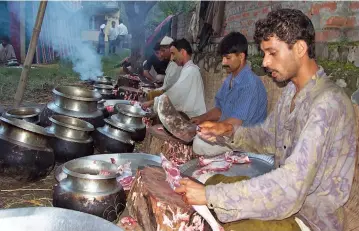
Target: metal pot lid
130,110
113,102
77,93
51,131
26,126
52,219
23,112
71,122
173,121
137,160
53,107
89,169
115,137
118,124
117,118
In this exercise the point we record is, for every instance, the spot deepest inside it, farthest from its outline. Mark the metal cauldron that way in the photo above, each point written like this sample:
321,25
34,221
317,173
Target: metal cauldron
25,152
72,138
113,138
105,90
131,116
29,114
74,102
85,189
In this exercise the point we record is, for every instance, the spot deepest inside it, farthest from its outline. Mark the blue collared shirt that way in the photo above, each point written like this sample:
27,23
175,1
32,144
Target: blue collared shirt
246,100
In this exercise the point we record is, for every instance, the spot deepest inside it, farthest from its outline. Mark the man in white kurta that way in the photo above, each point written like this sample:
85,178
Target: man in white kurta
187,94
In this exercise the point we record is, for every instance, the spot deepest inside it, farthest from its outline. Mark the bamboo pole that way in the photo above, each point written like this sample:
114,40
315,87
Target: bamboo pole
30,54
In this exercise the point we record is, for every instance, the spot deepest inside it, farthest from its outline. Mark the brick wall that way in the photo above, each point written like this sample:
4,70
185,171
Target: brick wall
333,22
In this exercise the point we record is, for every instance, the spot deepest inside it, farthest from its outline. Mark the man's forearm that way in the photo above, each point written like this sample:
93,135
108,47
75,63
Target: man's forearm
212,115
148,76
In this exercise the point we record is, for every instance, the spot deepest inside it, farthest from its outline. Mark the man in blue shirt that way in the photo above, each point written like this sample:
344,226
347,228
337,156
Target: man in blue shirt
242,99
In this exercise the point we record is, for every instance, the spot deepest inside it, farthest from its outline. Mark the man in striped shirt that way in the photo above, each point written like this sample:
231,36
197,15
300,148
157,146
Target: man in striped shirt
242,99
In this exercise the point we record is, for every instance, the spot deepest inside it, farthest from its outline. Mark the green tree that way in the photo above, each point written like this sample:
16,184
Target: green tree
175,7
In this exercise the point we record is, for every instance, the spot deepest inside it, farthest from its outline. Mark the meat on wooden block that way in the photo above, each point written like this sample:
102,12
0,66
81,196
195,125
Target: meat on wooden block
156,207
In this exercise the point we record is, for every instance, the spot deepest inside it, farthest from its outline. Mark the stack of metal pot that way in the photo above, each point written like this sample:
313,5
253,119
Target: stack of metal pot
104,86
25,152
121,130
72,138
74,102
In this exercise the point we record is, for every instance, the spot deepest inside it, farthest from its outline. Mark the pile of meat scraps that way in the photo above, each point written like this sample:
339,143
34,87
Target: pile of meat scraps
214,165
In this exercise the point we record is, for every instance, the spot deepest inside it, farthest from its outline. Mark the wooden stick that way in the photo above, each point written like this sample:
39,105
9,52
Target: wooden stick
30,54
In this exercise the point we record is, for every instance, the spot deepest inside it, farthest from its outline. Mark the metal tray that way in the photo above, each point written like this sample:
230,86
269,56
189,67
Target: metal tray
52,219
260,165
113,102
137,160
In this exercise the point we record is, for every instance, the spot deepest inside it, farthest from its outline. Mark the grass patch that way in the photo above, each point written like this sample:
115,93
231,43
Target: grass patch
43,78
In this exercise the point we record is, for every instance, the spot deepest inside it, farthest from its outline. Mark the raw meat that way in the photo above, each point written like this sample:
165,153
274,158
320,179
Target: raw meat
173,176
218,166
228,157
125,177
104,173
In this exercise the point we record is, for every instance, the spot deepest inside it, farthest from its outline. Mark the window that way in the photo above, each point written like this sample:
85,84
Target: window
96,21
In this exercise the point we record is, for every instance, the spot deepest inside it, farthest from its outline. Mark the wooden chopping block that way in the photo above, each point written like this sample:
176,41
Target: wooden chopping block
159,141
156,206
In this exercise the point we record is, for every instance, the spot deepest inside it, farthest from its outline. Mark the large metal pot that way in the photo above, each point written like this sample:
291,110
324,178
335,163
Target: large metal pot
131,116
29,114
74,102
105,90
113,138
71,139
25,152
85,189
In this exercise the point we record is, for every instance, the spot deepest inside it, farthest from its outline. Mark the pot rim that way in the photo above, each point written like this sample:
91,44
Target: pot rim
88,127
36,111
22,124
103,86
122,109
116,118
96,96
66,170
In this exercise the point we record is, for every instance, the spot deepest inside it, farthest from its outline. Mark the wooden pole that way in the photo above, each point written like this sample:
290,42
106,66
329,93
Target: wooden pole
30,54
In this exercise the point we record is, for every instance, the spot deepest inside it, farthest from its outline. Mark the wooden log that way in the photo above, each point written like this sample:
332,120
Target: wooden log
159,141
156,206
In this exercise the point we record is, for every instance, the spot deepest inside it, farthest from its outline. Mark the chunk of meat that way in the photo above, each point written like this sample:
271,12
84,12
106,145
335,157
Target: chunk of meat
173,175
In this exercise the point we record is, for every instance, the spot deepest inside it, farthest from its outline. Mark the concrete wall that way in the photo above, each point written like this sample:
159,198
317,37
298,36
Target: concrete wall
336,25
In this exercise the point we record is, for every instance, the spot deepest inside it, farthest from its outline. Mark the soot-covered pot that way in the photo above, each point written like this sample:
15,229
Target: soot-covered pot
113,138
101,106
25,153
29,114
91,187
72,138
74,102
131,116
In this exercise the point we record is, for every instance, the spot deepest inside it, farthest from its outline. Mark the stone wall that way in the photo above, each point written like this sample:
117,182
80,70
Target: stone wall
337,36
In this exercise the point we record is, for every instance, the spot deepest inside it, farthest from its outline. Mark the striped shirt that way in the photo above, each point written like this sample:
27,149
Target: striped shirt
246,100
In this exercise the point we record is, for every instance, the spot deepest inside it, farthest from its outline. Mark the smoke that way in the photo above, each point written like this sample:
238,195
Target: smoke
62,30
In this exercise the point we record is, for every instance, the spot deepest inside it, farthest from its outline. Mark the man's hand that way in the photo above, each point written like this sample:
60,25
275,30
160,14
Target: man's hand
212,130
197,120
193,193
147,104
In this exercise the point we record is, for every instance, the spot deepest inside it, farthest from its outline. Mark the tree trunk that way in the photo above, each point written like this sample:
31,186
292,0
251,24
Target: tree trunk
136,13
